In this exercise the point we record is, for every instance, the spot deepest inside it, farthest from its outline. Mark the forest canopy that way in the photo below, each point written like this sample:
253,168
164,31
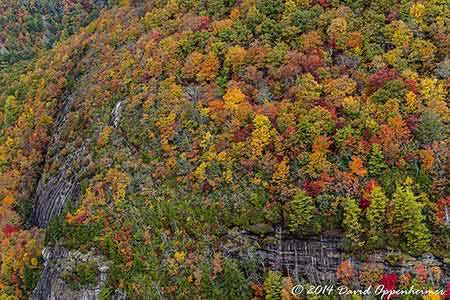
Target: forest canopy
183,121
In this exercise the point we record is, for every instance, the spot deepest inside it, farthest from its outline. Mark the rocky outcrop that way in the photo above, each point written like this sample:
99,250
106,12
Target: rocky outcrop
115,114
443,68
52,196
316,259
312,260
61,186
60,264
54,190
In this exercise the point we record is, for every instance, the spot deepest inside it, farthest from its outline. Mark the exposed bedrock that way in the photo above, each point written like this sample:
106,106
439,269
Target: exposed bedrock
66,160
52,196
316,259
62,185
60,278
312,260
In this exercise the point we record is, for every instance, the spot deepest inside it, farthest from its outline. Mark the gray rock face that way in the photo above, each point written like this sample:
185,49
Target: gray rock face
347,61
59,261
115,114
51,197
55,190
312,260
443,68
3,50
43,287
447,216
316,259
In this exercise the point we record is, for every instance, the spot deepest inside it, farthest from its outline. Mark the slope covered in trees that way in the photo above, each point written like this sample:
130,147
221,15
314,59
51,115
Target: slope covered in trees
29,26
196,117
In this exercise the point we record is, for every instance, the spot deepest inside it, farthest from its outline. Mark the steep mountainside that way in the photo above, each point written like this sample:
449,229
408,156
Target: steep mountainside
29,26
177,139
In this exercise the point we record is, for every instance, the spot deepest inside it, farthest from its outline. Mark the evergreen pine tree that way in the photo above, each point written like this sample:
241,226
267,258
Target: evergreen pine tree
418,238
376,214
403,202
300,212
11,110
273,286
234,282
409,221
377,163
351,223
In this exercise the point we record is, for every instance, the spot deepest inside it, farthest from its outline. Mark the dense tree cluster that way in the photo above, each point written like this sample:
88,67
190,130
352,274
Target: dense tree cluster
29,26
323,116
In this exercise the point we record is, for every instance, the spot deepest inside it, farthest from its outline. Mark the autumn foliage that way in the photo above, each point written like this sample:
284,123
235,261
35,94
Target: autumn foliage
322,117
